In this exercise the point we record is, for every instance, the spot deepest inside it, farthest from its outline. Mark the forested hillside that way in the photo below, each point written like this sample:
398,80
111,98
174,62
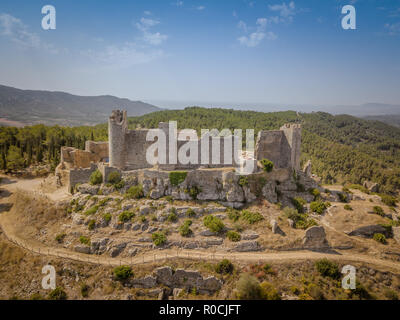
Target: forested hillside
342,148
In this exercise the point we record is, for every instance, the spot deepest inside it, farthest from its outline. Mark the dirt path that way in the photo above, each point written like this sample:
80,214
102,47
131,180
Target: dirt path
8,227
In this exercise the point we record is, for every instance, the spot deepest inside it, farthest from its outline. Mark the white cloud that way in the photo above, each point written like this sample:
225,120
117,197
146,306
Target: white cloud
254,38
200,8
286,12
393,29
14,29
147,13
178,3
242,25
152,38
123,56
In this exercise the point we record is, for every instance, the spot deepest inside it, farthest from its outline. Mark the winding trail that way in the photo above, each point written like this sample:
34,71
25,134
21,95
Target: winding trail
8,227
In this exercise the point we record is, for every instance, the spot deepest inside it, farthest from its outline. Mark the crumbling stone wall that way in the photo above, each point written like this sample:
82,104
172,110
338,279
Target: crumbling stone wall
80,175
76,158
282,146
128,147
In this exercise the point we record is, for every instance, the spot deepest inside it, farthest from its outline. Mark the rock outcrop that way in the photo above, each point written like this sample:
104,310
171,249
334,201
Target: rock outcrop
315,238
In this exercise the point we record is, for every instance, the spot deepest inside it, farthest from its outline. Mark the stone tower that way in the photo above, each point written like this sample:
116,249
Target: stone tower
117,127
292,131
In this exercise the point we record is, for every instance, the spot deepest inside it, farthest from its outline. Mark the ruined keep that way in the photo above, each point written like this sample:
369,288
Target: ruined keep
126,152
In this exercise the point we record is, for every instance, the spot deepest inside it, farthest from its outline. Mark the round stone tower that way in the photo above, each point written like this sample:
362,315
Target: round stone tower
117,126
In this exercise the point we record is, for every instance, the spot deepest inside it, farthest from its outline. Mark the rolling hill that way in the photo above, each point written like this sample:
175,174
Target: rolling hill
31,107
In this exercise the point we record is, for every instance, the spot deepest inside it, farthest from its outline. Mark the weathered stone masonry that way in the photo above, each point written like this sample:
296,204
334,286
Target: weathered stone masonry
126,152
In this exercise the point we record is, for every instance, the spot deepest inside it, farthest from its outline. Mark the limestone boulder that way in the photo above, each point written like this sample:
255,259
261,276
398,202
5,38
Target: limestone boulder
247,246
144,283
369,231
315,238
269,192
249,235
396,234
164,275
87,188
116,249
98,245
82,249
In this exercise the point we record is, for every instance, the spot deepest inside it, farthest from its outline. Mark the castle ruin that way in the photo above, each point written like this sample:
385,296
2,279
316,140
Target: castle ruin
126,153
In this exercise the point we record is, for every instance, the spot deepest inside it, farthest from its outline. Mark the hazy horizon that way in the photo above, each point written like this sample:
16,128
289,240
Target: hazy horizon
277,52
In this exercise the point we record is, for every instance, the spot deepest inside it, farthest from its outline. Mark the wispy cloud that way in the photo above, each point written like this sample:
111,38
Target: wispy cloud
394,13
152,38
286,12
253,39
178,3
393,29
123,56
15,30
200,8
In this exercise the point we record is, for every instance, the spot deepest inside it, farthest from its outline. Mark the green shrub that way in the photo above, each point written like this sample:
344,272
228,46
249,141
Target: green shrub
269,292
159,238
114,177
177,177
60,237
268,269
267,165
184,229
135,192
123,272
243,181
96,178
315,193
91,211
328,268
305,223
348,207
233,214
213,223
299,204
85,290
248,288
342,197
251,217
378,210
104,201
84,240
359,187
172,217
224,267
301,221
193,192
107,217
233,236
318,207
126,216
119,185
388,200
143,219
379,237
58,294
92,224
190,213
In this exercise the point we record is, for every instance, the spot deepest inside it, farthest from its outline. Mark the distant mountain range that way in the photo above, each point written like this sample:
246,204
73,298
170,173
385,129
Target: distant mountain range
21,107
392,119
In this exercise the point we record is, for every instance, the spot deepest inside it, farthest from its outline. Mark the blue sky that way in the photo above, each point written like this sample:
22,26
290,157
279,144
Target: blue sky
240,51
